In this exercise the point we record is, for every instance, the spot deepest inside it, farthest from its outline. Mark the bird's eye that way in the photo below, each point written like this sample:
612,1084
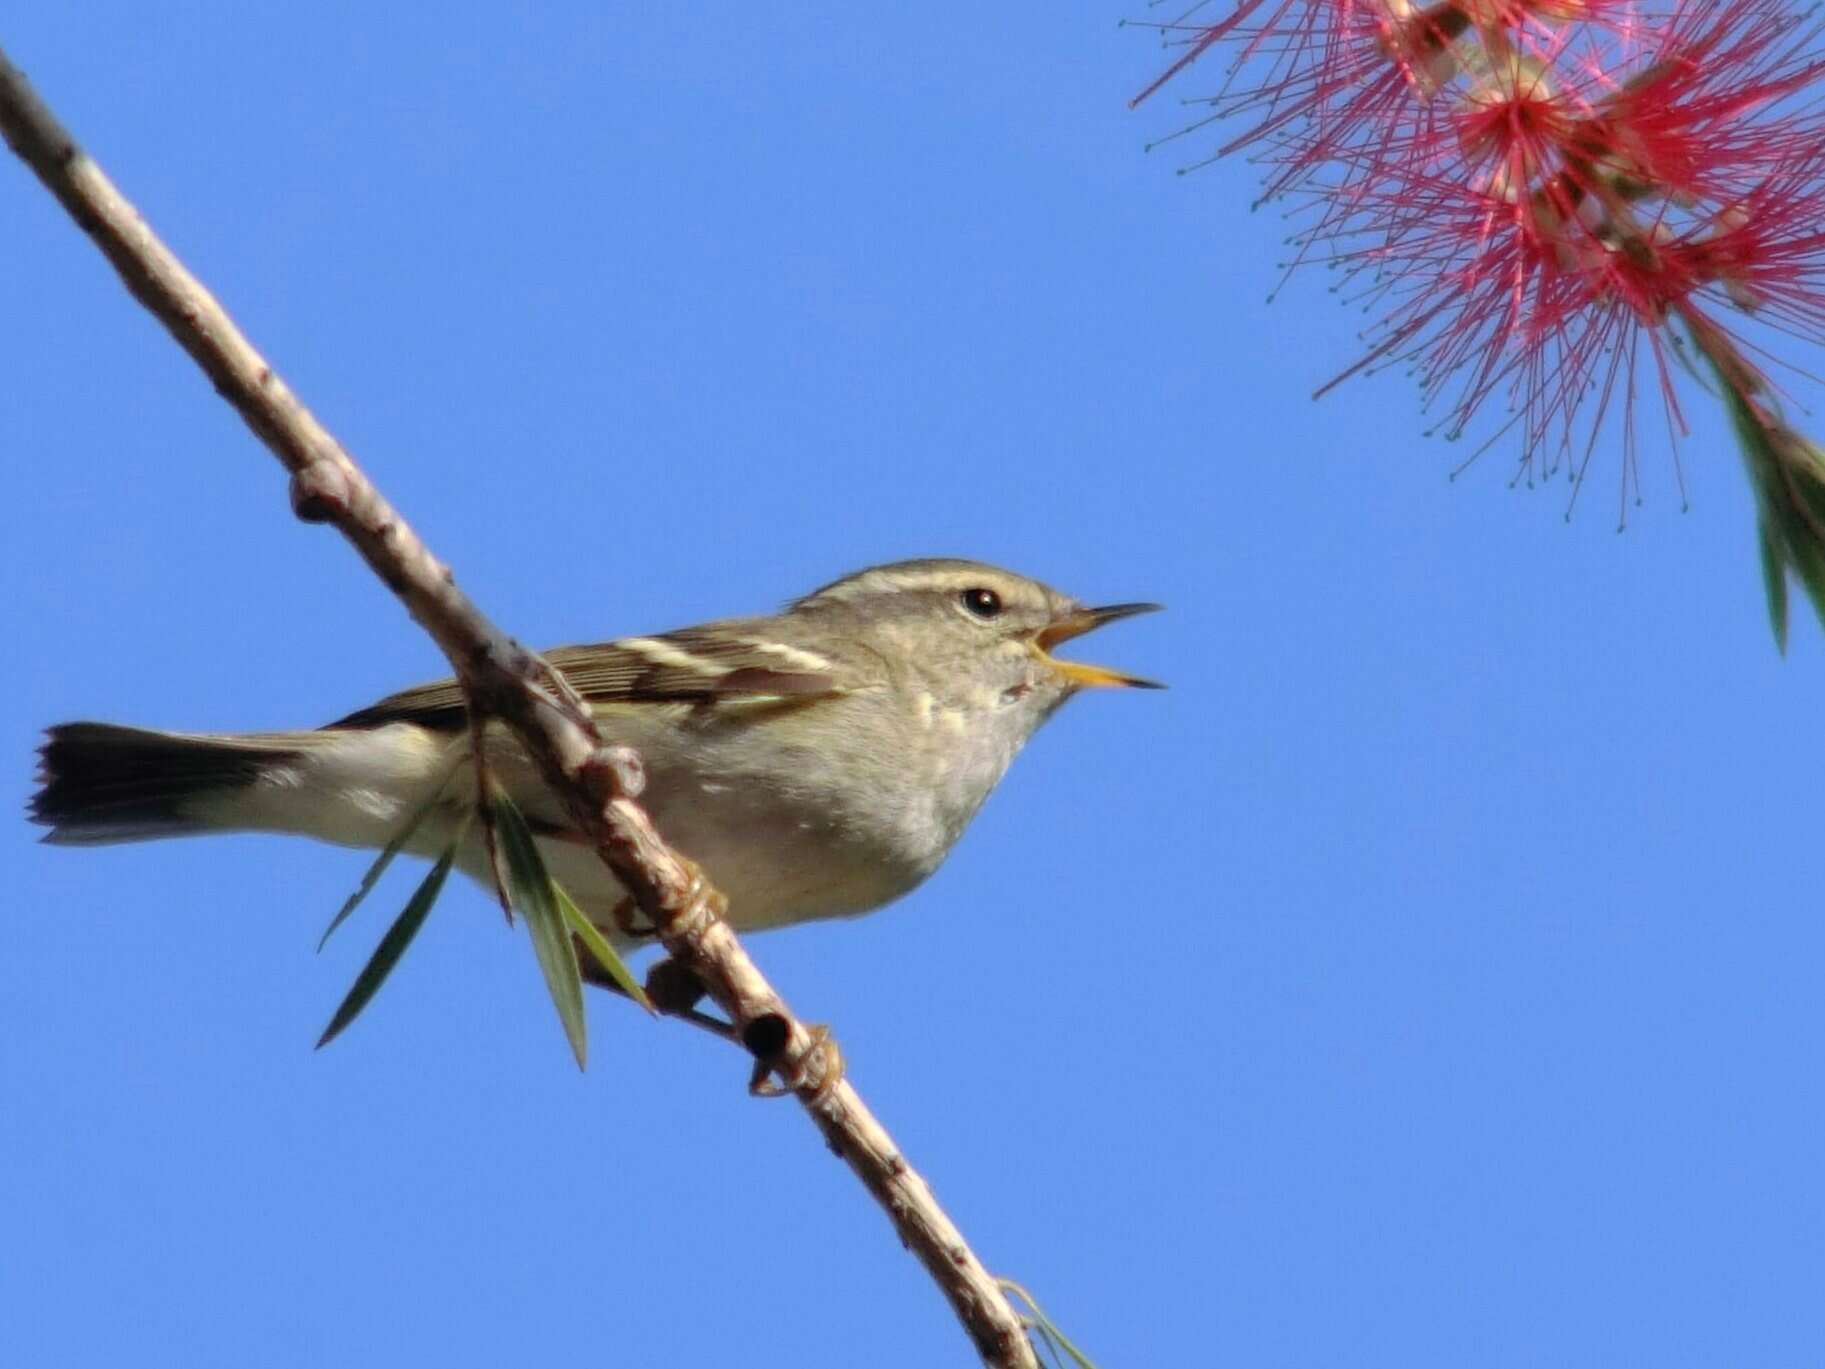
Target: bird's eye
984,603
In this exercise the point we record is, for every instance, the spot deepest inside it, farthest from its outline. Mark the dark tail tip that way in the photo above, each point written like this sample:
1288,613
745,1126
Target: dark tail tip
102,783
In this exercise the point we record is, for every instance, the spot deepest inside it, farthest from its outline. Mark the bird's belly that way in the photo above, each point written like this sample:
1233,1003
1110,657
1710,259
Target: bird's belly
777,861
786,841
781,860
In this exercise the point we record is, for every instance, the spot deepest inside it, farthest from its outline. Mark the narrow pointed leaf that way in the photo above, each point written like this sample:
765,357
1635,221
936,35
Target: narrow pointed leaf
497,871
533,893
414,820
1803,469
1044,1329
1775,518
1063,1341
1774,581
600,948
393,945
1810,566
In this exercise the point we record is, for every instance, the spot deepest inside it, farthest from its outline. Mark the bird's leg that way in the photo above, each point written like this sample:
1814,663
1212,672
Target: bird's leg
672,990
623,916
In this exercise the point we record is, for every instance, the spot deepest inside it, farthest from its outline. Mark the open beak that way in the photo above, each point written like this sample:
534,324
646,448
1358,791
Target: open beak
1075,623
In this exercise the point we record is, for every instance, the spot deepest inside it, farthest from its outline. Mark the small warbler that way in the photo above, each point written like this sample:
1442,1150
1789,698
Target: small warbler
817,763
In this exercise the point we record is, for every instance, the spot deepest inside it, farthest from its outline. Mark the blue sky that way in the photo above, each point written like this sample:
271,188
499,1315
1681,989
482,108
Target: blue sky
1428,978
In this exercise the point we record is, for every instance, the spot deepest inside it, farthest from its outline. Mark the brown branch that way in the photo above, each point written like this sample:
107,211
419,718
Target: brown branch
505,680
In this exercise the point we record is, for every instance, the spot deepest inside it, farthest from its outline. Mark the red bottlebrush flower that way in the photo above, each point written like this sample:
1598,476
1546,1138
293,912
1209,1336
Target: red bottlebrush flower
1534,197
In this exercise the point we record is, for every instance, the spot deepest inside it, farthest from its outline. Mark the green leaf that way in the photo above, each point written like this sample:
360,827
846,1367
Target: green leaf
1787,474
599,947
535,894
1043,1329
1774,581
1808,560
393,945
414,820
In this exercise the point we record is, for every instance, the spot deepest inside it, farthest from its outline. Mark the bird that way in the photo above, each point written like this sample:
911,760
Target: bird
820,762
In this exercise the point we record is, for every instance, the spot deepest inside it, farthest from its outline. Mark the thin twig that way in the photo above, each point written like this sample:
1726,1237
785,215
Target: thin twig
504,680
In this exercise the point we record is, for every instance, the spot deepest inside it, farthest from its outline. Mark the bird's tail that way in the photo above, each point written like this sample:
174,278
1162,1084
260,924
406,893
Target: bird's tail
100,783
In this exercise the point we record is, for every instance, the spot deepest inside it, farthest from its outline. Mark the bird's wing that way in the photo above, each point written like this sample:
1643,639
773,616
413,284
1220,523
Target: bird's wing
703,665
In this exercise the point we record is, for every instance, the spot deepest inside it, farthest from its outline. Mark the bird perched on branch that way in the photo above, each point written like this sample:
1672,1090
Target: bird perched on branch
817,763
